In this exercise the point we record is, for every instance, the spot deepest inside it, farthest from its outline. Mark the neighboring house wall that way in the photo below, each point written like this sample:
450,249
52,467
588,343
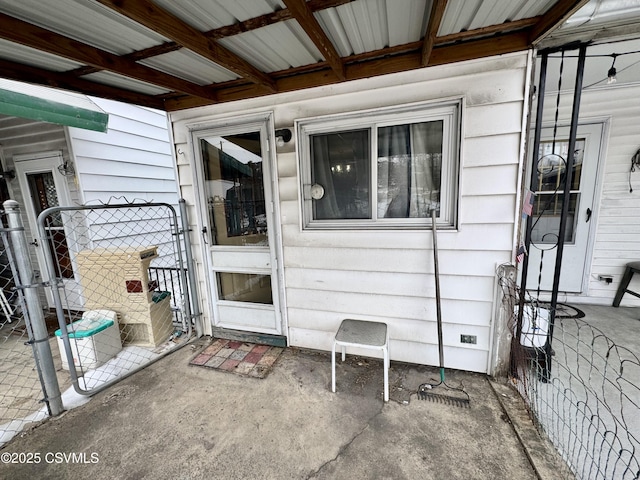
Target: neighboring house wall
21,136
132,160
617,236
387,275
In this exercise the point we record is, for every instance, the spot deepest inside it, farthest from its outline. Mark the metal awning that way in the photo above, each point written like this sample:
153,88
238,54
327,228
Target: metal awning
173,55
49,105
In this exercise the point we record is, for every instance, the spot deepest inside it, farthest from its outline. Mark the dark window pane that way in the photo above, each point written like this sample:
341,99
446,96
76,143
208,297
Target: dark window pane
341,164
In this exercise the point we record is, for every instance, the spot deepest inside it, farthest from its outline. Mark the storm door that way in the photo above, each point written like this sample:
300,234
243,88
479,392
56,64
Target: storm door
238,228
547,206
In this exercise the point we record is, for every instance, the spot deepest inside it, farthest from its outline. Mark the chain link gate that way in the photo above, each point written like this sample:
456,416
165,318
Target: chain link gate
119,286
119,283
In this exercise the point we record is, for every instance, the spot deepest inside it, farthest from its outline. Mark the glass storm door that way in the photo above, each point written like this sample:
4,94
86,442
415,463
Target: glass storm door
238,228
548,204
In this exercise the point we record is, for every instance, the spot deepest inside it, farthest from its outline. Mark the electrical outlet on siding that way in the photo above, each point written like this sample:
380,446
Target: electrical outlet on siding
472,339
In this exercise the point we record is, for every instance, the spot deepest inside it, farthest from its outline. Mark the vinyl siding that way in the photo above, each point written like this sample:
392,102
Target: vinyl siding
132,161
388,275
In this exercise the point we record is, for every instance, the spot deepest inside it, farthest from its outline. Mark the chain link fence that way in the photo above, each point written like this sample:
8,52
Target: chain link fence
584,396
117,299
21,390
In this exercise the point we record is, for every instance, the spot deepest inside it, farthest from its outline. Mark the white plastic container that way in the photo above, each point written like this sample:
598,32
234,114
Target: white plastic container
535,327
95,339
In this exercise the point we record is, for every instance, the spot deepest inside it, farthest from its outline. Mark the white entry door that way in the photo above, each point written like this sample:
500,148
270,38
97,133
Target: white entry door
235,164
552,158
43,186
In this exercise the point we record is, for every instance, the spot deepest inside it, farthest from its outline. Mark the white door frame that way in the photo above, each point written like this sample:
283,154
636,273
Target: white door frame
37,163
262,122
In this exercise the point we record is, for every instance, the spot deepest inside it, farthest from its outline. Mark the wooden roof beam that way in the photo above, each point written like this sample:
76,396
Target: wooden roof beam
380,65
24,33
506,27
28,74
435,19
222,32
304,16
553,18
163,22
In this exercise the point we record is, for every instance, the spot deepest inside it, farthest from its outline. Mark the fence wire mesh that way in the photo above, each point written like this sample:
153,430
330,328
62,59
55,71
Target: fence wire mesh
21,393
585,397
121,282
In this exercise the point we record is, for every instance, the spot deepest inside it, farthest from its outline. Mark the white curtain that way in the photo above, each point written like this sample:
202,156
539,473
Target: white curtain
422,180
393,172
407,186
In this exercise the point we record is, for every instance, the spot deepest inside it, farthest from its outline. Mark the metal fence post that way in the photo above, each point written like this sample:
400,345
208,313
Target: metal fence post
192,284
35,317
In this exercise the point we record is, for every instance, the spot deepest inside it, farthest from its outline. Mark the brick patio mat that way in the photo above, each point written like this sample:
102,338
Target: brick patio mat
241,358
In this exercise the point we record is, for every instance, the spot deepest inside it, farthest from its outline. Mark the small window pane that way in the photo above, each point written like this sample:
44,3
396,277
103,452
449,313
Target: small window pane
341,164
546,210
244,287
409,169
552,165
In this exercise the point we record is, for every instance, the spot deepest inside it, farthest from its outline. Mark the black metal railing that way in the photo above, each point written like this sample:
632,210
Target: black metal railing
169,279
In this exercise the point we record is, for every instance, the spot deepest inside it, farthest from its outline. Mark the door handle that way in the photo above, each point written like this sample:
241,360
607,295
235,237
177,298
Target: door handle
588,214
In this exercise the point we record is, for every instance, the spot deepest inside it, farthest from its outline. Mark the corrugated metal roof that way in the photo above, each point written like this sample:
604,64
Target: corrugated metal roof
355,29
462,15
257,47
190,66
207,15
35,58
85,21
365,25
113,79
602,13
275,47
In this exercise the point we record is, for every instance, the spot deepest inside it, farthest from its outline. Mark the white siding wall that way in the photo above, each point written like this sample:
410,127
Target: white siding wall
617,238
132,159
387,275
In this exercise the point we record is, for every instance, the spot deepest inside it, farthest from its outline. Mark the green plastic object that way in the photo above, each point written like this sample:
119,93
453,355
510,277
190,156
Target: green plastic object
157,297
86,327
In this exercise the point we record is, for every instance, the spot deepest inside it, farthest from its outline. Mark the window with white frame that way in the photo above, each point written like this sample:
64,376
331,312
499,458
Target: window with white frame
386,168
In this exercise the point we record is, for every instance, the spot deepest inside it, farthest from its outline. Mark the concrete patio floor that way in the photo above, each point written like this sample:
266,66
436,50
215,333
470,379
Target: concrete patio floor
172,420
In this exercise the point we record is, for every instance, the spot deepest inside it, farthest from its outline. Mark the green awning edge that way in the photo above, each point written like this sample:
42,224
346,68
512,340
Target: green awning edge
27,106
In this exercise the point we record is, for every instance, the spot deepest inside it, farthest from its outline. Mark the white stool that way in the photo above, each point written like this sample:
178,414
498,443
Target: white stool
361,333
